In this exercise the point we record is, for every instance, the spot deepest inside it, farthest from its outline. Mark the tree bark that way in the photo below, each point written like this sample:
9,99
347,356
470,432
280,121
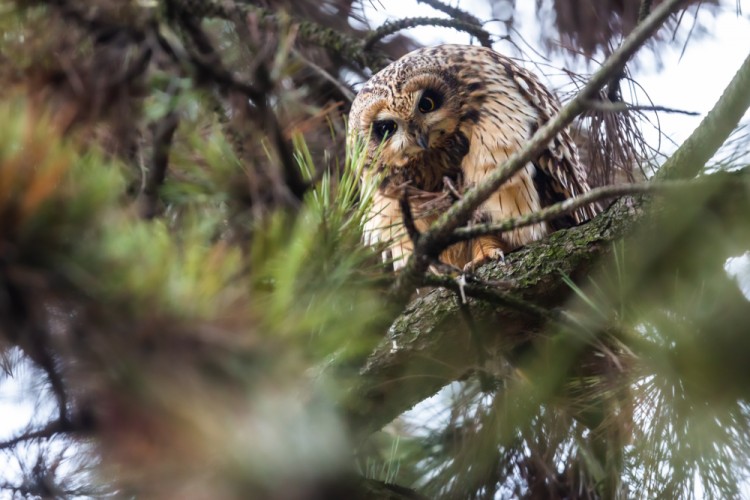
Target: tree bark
430,344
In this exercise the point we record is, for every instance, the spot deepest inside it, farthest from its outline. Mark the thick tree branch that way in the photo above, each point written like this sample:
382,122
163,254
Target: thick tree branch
429,346
439,236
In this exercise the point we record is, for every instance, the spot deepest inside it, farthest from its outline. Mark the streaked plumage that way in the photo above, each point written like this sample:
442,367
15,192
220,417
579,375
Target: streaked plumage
455,112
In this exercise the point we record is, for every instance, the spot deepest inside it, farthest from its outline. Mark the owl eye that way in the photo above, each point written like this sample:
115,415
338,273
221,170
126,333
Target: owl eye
430,101
383,128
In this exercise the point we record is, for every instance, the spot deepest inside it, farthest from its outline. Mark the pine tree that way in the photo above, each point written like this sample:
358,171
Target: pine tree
184,288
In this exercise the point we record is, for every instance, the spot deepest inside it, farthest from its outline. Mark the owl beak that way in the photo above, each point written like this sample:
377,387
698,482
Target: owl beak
423,140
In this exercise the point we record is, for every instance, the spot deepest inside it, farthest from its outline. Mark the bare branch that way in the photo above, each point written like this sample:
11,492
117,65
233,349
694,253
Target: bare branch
567,206
454,12
391,27
164,131
623,107
408,217
50,430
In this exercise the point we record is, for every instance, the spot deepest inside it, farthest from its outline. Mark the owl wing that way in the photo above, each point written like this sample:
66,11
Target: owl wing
560,175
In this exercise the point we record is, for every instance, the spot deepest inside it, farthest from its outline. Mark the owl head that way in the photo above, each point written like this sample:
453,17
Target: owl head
410,110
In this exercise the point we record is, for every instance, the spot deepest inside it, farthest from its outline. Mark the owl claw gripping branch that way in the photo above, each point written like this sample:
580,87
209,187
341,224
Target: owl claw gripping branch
446,116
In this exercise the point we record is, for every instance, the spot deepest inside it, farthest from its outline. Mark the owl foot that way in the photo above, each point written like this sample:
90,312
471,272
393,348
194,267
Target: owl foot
484,257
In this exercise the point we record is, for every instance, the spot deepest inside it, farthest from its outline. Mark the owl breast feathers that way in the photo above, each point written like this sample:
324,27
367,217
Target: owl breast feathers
440,119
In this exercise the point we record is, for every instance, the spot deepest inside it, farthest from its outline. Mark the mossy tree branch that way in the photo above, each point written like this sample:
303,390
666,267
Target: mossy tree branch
429,346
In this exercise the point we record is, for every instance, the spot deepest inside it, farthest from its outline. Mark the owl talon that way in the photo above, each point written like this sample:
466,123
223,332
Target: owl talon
494,254
461,280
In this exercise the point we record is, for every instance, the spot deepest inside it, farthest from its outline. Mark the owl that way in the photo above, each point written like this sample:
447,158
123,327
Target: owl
436,122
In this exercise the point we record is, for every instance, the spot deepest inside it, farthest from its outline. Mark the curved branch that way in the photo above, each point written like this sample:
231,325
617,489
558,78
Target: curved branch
392,27
347,47
454,12
567,206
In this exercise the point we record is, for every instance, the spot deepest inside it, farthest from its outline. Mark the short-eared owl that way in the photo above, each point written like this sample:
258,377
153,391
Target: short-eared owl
446,116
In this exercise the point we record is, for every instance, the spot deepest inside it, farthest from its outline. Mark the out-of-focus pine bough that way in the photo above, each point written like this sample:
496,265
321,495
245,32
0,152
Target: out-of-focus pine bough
182,277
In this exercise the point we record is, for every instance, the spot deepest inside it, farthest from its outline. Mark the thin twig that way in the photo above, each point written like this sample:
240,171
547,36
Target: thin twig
439,236
164,131
566,207
53,428
623,107
613,88
41,354
345,91
491,294
408,217
454,12
485,380
391,27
